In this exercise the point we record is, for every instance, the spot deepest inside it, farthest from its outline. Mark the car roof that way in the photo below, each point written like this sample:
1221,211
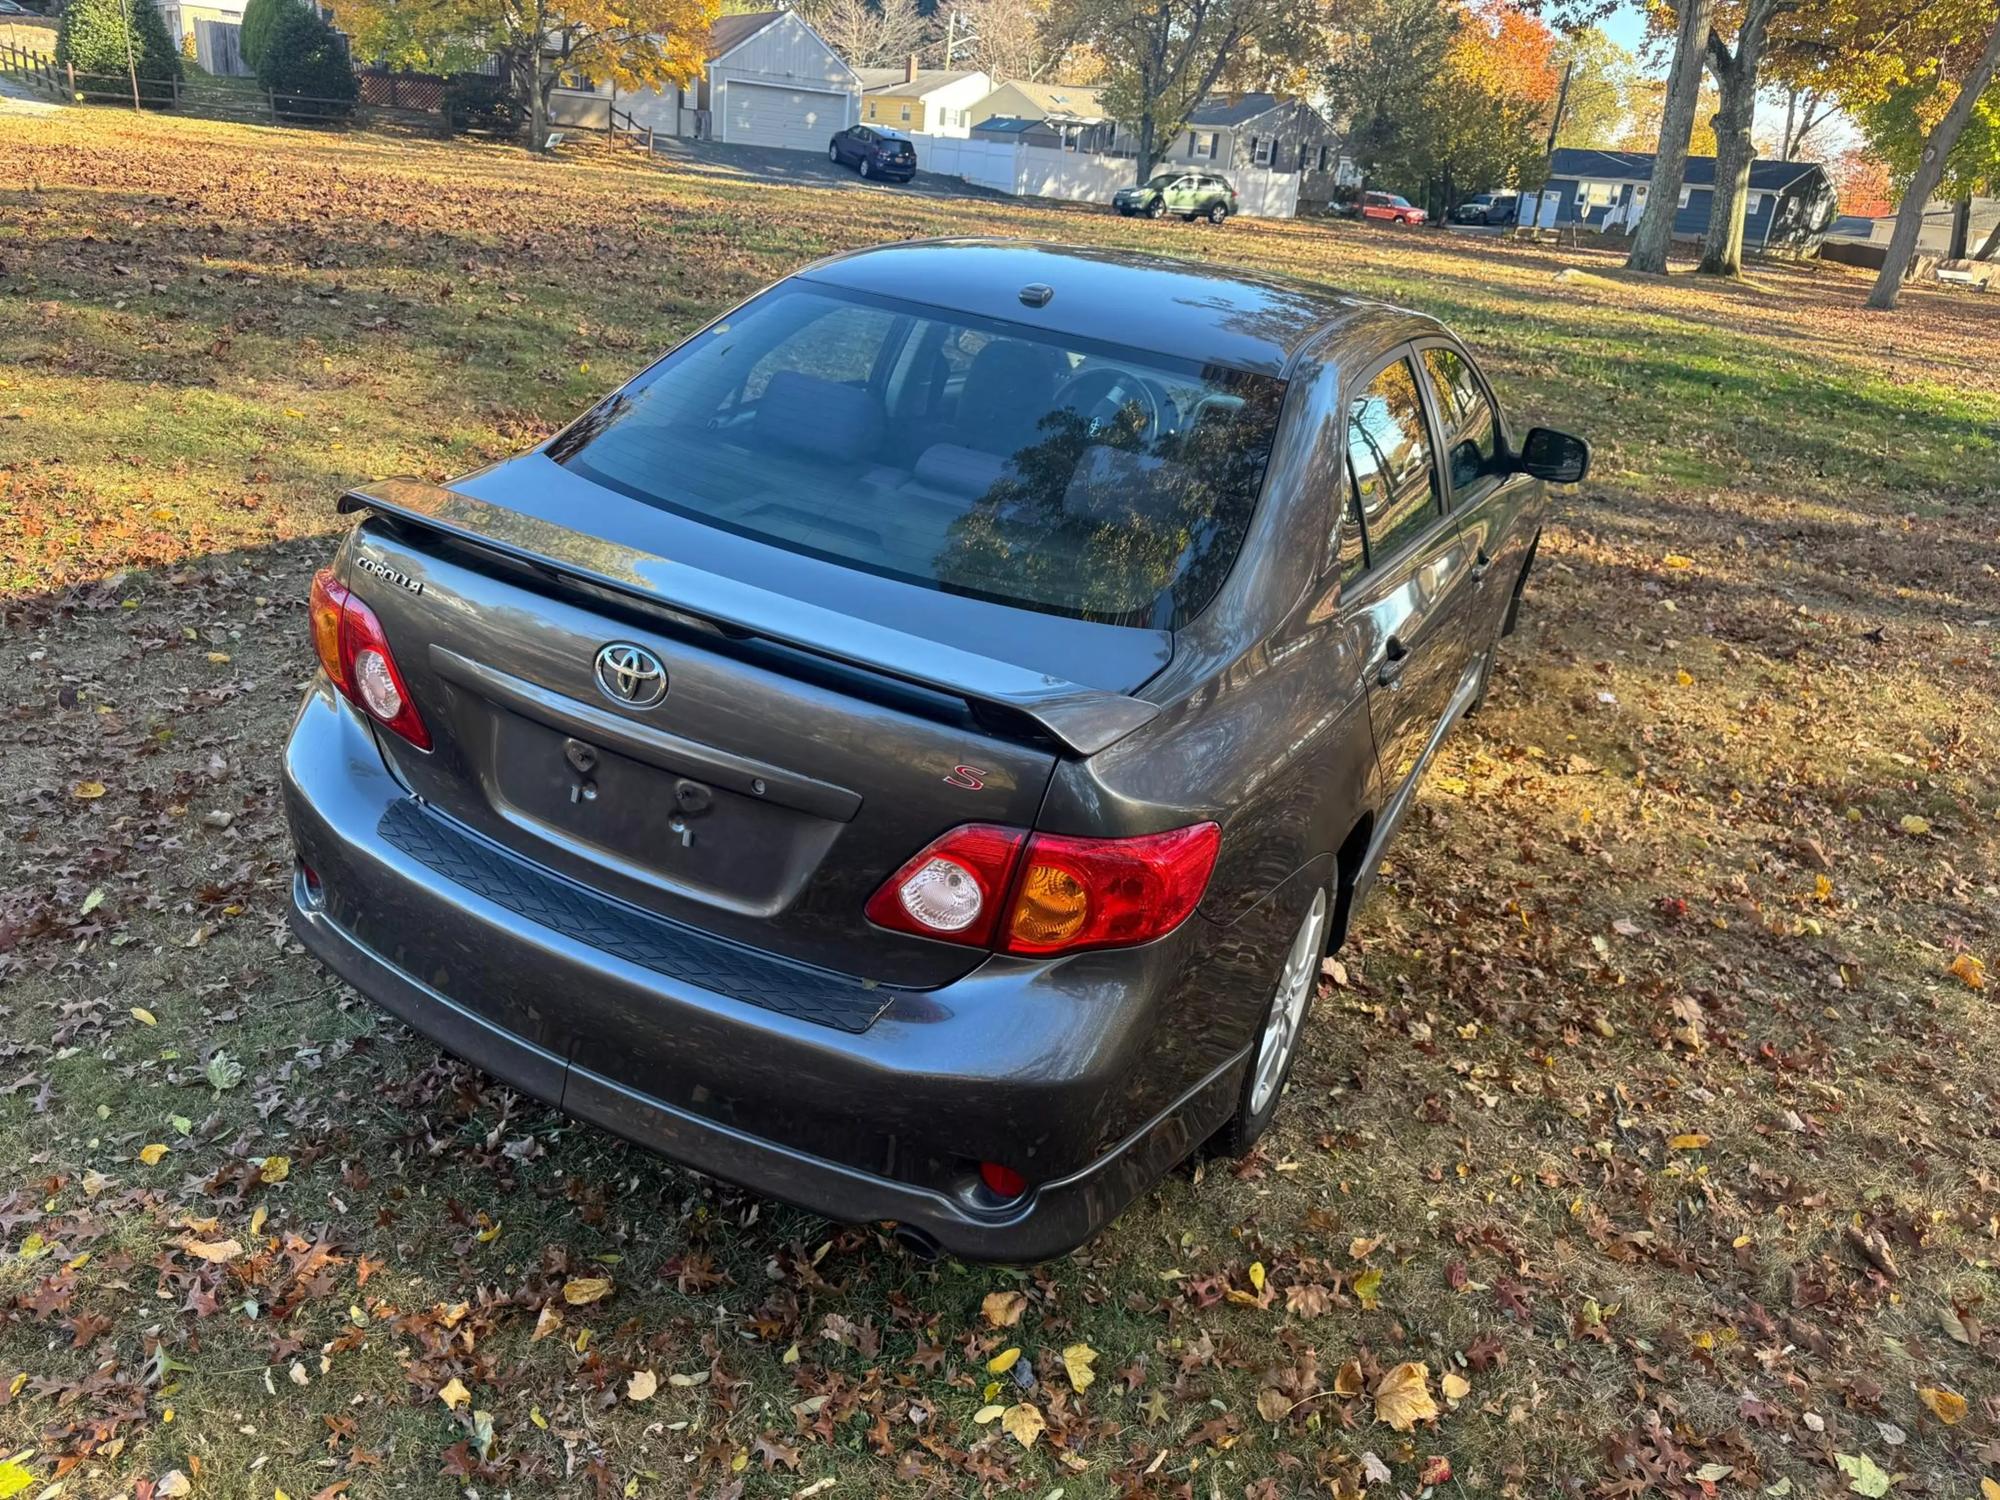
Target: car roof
1186,309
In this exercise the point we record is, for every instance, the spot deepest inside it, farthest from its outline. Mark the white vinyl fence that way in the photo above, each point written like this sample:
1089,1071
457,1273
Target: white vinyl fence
1026,171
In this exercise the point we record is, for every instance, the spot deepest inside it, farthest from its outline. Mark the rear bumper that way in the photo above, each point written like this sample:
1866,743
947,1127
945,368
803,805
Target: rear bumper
1059,1070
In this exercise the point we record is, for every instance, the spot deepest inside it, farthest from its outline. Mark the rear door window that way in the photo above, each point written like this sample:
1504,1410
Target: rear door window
970,455
1389,454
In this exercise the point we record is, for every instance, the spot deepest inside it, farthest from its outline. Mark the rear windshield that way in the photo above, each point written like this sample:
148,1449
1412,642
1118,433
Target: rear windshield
975,457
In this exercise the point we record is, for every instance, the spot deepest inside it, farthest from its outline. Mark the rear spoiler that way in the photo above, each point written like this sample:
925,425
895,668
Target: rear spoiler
1084,719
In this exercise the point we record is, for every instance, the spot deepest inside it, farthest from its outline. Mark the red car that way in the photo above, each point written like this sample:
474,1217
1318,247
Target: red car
1390,208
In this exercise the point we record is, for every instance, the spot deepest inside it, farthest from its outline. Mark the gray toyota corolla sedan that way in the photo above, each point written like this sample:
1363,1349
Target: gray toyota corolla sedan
909,750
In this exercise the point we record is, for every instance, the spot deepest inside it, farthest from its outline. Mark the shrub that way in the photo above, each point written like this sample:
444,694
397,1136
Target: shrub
257,18
92,39
305,58
476,102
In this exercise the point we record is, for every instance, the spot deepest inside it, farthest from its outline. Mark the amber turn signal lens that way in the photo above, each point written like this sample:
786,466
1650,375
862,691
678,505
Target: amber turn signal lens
1052,907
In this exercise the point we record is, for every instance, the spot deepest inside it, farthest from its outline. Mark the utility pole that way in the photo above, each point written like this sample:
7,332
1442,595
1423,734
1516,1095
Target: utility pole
1562,102
131,68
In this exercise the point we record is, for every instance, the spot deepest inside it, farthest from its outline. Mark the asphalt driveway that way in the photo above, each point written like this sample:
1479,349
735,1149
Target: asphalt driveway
800,169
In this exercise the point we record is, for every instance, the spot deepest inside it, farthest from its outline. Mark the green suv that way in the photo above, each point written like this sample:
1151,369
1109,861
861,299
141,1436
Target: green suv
1192,195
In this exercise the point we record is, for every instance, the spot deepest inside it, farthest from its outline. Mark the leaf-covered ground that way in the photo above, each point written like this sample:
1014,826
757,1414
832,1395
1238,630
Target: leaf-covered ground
1645,1142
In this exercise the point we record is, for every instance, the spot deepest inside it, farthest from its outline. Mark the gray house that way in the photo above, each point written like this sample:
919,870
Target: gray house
772,81
1791,204
1264,131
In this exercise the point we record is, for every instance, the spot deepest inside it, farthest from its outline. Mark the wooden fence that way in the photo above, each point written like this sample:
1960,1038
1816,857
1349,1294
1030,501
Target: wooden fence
210,98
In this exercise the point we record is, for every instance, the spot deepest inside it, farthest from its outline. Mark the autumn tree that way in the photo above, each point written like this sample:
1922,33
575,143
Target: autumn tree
1900,126
1737,66
633,44
1602,77
870,33
1640,128
1162,57
1018,39
1861,179
1380,53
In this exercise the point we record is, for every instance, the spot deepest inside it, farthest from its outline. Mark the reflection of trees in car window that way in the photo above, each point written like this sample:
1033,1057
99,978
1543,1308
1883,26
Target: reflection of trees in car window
841,345
1140,524
1389,455
1474,440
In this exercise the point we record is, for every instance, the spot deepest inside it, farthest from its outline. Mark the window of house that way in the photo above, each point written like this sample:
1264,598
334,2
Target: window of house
1201,144
1261,149
1325,158
906,113
1305,155
1686,194
1389,458
1590,195
1753,202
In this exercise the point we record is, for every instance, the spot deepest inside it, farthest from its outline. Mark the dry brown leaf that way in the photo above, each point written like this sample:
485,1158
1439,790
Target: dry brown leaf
1347,1379
1947,1406
641,1386
546,1322
1003,1309
586,1289
214,1252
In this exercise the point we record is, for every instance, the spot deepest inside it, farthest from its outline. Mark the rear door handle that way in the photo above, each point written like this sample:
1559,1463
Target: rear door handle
1395,656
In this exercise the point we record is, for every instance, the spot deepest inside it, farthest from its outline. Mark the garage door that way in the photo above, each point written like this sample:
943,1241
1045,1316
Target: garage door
758,114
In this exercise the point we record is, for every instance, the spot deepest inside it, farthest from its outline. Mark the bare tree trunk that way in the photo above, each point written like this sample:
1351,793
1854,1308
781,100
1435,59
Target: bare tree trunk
1930,170
1961,230
1992,246
1736,81
1656,228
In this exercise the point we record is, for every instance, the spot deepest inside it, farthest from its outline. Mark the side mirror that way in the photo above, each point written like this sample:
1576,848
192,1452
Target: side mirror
1553,456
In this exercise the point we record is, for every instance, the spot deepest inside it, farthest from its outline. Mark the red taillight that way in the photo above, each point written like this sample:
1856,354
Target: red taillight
1045,893
1108,893
356,656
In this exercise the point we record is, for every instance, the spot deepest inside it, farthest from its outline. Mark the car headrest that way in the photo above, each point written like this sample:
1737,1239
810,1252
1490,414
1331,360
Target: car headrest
1108,483
960,470
819,417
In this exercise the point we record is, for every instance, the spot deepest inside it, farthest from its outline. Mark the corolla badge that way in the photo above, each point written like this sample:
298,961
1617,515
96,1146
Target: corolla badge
631,675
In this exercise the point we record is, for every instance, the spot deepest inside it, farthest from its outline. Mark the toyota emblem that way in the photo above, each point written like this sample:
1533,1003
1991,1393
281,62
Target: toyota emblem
631,675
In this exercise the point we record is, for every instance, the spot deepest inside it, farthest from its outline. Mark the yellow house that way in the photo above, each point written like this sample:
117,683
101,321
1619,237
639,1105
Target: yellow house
921,101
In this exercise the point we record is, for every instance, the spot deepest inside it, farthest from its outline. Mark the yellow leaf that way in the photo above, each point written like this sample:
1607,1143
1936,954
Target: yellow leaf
1694,1140
257,1217
87,791
1684,677
1347,1379
1077,1361
1003,1309
987,1414
1362,1246
641,1386
535,1416
1024,1423
1367,1285
1257,1274
275,1169
1678,562
546,1322
1403,1396
14,1478
1455,1386
489,1234
1273,1405
1947,1406
1002,1362
151,1155
1989,1489
214,1253
1969,969
144,1017
1911,823
586,1289
454,1394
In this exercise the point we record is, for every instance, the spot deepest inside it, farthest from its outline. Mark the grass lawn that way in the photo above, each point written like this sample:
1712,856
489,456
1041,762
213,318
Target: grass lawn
1653,1115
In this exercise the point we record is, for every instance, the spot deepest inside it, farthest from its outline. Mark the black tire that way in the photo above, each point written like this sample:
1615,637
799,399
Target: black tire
833,153
862,167
1157,209
1217,212
1264,1086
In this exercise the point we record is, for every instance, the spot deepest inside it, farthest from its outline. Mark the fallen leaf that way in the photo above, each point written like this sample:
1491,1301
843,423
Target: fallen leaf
1003,1309
214,1252
987,1414
151,1155
1947,1406
1911,823
1077,1361
1347,1379
172,1485
546,1322
1436,1471
1678,562
1694,1140
144,1017
1969,969
1257,1274
1864,1475
1002,1362
454,1394
1273,1405
13,1479
1024,1423
585,1290
1455,1386
641,1386
1989,1489
1367,1285
1403,1396
87,791
275,1169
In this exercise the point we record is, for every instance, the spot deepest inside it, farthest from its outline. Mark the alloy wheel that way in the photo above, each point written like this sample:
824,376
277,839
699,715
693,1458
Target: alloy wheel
1288,1007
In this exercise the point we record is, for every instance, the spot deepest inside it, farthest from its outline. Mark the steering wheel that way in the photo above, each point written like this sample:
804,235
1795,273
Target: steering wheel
1099,395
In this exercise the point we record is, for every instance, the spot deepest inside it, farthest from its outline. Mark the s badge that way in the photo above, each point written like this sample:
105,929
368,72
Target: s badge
966,778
